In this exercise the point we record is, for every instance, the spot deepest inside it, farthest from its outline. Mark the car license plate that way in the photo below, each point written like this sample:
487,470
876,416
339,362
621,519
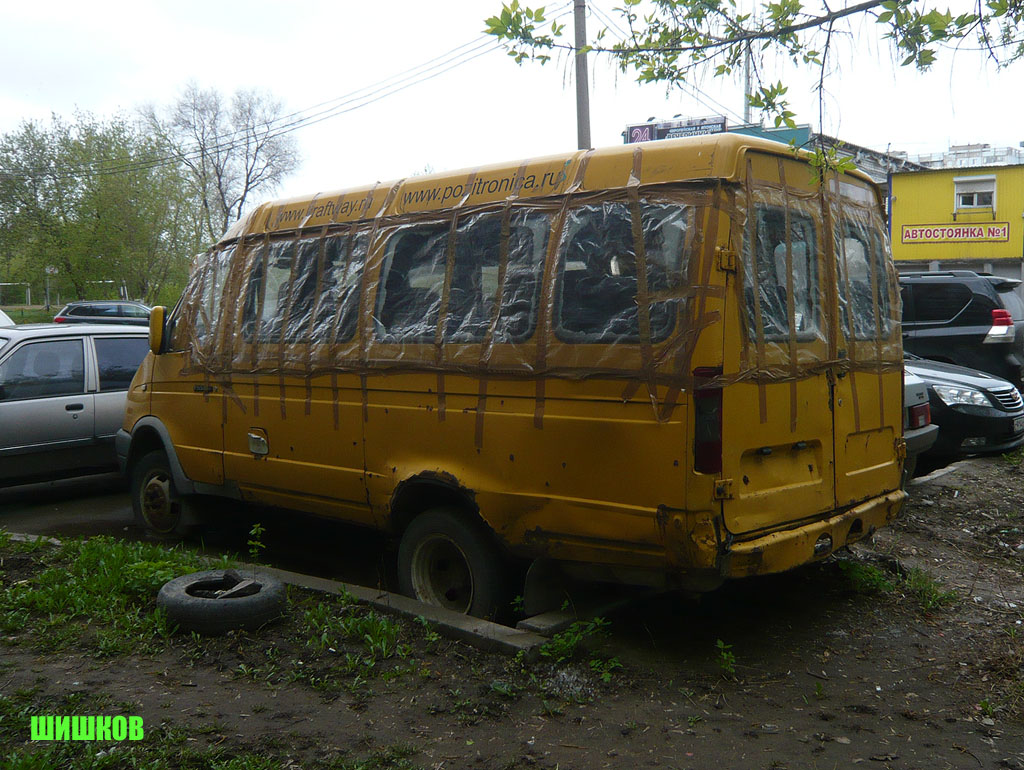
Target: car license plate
1018,424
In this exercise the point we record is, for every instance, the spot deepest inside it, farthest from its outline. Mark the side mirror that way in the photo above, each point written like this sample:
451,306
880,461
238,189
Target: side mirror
157,317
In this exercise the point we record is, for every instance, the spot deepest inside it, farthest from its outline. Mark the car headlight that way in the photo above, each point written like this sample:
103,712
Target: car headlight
952,396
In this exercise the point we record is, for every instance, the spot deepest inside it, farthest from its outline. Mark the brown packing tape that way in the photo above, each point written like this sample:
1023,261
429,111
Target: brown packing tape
643,296
334,399
547,290
481,407
790,300
665,365
442,316
759,342
364,301
314,312
845,289
442,398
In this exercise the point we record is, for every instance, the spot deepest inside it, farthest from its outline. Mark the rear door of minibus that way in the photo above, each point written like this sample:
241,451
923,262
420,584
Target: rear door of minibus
777,426
815,429
868,391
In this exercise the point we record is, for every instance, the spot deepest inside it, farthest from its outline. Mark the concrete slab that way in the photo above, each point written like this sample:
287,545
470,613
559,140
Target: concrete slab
555,621
483,634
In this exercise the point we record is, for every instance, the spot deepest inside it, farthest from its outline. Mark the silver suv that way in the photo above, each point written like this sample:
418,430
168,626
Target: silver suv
62,395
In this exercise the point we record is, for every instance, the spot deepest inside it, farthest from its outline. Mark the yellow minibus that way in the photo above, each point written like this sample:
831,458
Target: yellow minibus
663,364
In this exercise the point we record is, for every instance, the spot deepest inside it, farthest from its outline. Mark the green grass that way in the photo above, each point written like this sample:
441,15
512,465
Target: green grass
99,593
32,315
927,591
866,578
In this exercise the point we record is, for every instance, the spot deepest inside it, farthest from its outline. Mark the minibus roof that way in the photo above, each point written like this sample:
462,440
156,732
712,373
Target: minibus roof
691,159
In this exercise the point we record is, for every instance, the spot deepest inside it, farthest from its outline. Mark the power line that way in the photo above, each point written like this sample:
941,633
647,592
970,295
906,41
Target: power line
421,73
294,121
281,126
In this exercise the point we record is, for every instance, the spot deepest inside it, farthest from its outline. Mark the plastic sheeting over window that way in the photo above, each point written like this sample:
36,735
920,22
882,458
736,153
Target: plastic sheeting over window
599,269
620,283
785,259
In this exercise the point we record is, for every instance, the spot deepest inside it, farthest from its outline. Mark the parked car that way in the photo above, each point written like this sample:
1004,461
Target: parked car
976,412
5,320
919,432
109,312
965,318
62,397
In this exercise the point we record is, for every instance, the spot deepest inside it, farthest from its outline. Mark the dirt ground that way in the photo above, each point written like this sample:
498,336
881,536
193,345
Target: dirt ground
863,659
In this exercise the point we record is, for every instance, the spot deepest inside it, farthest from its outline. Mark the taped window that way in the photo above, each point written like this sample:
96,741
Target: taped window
783,246
477,271
338,310
302,290
208,311
412,279
863,282
597,295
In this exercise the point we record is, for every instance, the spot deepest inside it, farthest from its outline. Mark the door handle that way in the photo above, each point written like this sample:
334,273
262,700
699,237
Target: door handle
74,407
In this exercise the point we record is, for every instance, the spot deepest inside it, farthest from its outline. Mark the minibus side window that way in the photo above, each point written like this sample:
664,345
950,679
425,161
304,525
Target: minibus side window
773,240
598,299
859,252
409,297
338,310
213,287
303,290
275,290
474,290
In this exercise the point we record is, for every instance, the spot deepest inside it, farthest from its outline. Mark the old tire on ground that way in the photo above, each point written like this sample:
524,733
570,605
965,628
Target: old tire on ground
217,601
448,559
158,507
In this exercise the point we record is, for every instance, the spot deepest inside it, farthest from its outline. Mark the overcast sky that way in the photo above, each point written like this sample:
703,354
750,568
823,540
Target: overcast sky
59,57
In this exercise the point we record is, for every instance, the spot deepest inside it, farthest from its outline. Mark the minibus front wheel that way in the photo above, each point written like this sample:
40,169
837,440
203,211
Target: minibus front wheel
158,508
447,559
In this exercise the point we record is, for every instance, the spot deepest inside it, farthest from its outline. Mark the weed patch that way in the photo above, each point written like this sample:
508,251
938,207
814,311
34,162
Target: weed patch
100,592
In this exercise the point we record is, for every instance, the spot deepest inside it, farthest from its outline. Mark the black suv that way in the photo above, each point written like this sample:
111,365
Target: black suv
966,318
104,312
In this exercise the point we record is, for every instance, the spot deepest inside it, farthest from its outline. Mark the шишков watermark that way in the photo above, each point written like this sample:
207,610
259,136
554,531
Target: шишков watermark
91,728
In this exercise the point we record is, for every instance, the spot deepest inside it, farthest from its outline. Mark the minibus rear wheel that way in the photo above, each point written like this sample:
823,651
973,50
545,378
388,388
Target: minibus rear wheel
447,559
158,508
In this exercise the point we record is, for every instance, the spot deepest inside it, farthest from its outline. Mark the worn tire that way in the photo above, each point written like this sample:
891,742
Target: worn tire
158,507
188,602
448,559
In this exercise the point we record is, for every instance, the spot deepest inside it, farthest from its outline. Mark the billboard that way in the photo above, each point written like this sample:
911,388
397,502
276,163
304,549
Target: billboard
673,129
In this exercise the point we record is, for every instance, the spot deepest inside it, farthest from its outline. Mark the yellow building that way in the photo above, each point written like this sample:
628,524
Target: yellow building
958,218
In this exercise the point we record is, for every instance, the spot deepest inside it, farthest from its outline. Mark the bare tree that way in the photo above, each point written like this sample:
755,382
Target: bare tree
233,149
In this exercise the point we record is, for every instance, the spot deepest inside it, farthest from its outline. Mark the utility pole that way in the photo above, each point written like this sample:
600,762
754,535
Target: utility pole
746,85
582,94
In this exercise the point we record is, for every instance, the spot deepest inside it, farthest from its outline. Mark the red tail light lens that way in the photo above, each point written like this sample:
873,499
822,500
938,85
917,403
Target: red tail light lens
707,434
59,320
1001,318
920,416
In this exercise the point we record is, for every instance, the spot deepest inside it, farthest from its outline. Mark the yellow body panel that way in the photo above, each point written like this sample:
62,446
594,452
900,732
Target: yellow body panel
573,448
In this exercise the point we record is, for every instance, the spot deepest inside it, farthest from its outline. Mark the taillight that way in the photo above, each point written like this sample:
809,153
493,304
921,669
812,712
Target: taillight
1001,317
59,320
707,433
920,416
